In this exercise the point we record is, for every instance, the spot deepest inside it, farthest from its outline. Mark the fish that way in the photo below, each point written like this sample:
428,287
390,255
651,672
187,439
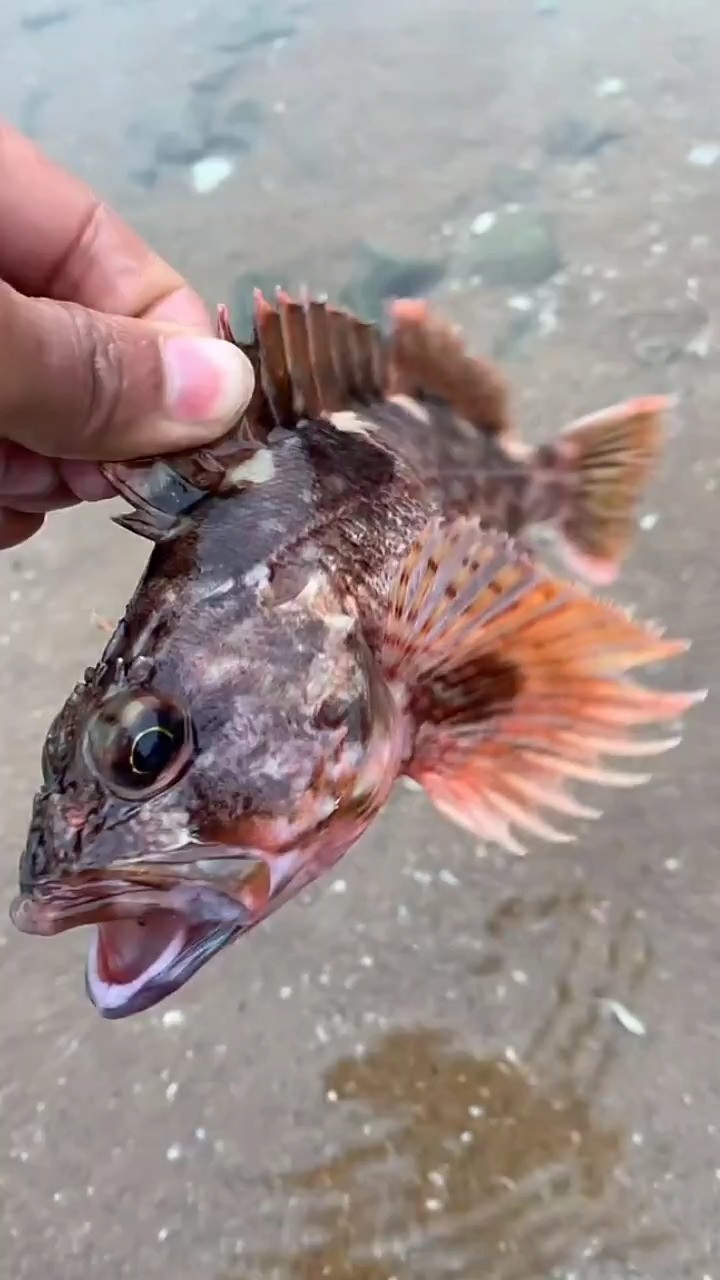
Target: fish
340,593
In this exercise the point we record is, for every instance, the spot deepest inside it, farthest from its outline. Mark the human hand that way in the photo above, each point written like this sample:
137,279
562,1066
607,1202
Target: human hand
105,351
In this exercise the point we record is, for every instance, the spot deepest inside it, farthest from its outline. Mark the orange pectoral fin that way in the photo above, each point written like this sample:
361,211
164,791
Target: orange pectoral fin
516,682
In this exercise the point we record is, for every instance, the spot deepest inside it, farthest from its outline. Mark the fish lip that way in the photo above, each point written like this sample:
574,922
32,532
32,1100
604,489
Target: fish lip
208,918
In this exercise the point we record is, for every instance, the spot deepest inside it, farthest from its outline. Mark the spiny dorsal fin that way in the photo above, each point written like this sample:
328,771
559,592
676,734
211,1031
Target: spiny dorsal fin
429,358
312,360
317,359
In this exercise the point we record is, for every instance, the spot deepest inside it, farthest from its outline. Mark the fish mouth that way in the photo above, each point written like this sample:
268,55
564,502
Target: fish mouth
134,964
148,940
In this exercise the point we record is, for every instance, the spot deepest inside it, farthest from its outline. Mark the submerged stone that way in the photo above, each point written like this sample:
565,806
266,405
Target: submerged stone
573,137
380,274
519,250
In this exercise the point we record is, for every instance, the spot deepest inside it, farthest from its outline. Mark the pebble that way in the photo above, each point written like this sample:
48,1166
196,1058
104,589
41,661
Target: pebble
610,87
210,172
628,1020
173,1018
483,223
704,155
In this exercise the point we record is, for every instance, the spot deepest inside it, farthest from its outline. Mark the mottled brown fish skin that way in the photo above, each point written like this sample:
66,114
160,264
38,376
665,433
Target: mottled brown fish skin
334,598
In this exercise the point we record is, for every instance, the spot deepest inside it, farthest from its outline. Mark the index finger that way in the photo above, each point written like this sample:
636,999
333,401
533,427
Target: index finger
59,240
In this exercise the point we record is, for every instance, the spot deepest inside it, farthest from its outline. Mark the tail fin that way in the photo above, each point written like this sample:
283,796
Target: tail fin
610,457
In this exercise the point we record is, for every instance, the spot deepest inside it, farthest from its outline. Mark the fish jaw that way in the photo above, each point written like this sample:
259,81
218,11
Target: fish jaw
148,938
155,926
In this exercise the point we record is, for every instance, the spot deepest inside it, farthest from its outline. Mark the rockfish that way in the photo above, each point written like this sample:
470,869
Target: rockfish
339,593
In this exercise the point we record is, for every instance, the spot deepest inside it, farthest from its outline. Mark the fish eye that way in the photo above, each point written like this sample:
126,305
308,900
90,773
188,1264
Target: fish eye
138,743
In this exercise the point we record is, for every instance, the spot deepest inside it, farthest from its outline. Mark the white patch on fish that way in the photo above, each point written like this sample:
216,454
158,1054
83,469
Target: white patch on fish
258,576
282,866
414,408
341,622
215,589
142,641
217,671
256,470
347,420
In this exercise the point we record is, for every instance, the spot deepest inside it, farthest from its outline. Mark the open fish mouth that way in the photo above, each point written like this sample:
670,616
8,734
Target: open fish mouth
147,941
134,964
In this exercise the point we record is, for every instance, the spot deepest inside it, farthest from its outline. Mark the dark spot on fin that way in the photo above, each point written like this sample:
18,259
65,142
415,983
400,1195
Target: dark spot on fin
516,682
609,459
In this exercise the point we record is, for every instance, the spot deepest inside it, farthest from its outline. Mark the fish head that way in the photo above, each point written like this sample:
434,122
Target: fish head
188,792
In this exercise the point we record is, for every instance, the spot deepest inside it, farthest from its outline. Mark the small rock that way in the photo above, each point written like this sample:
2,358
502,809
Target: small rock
704,155
46,18
576,138
628,1020
513,343
380,274
679,328
173,1018
510,184
263,36
519,251
484,222
145,178
520,302
210,172
610,87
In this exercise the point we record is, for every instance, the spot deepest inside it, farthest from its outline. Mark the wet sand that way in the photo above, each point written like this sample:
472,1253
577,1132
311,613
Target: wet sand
442,1063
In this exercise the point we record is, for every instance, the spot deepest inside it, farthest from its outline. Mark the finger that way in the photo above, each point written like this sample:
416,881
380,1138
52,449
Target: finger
85,480
58,240
25,474
17,526
59,500
78,384
26,477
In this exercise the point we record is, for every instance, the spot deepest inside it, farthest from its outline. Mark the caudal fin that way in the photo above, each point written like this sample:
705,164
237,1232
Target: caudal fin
610,457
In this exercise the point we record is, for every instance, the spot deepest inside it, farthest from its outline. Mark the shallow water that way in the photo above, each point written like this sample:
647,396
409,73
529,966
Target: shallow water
438,1065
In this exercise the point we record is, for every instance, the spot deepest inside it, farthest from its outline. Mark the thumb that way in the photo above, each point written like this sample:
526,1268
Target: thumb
76,383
